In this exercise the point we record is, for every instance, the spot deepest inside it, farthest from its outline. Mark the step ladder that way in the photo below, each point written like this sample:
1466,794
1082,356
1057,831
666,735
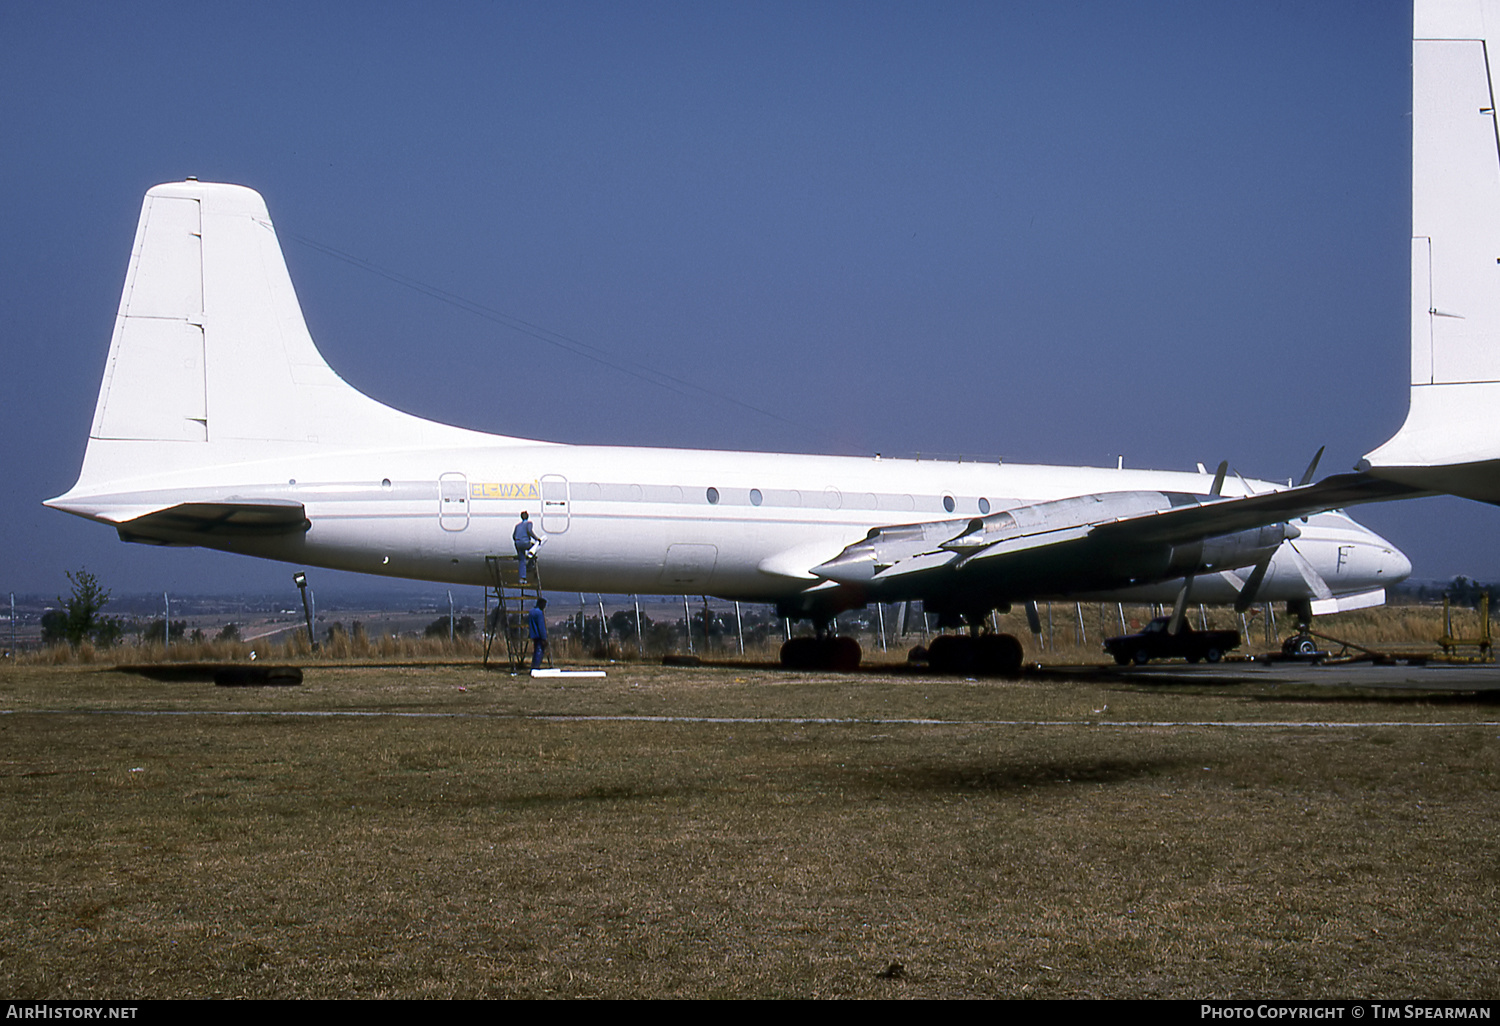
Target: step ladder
505,609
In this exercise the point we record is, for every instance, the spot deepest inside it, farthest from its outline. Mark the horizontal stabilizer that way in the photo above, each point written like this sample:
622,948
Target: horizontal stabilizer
190,522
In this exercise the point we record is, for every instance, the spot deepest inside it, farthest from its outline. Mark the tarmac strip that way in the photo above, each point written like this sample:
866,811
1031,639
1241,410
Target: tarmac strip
736,720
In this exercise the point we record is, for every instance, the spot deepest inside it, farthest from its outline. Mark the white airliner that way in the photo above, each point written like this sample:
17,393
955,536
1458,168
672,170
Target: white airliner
219,424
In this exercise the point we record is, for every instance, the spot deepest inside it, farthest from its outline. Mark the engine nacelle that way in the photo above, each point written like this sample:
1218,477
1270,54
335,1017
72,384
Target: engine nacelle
1230,551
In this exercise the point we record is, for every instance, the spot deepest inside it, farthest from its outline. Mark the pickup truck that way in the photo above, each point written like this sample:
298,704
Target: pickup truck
1155,642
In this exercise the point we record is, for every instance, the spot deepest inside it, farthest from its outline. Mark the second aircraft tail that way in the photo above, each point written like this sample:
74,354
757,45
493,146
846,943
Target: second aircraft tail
1451,439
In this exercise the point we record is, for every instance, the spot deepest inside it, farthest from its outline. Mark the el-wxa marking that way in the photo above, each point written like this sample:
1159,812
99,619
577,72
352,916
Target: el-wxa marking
505,490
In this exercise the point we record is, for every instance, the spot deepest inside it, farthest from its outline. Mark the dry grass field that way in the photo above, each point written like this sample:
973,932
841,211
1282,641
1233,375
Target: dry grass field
1072,635
443,832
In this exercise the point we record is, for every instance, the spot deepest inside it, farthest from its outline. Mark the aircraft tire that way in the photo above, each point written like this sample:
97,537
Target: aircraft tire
1299,645
951,653
841,654
997,654
797,654
844,654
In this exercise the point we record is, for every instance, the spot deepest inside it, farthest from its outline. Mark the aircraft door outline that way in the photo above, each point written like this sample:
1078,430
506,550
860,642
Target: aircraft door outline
555,505
453,501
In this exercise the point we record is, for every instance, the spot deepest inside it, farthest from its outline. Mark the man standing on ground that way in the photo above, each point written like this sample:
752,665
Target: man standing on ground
536,626
525,537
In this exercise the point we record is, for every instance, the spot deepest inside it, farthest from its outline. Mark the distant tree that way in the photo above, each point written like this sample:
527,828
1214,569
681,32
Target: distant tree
54,627
589,630
1465,591
622,622
717,626
107,631
665,636
157,628
82,613
231,632
462,627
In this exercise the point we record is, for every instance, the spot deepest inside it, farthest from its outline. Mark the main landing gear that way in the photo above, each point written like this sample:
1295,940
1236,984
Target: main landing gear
978,652
982,654
975,650
821,653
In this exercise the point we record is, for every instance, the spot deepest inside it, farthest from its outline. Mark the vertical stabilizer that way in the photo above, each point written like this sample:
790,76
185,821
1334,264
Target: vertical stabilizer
211,361
1451,439
154,386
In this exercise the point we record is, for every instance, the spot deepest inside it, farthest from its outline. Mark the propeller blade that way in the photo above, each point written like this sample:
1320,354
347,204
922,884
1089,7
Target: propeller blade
1218,487
1315,582
1179,608
1033,618
1246,597
1312,468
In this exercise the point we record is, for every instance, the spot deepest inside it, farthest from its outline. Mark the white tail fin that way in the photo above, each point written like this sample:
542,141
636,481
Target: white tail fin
1451,439
211,362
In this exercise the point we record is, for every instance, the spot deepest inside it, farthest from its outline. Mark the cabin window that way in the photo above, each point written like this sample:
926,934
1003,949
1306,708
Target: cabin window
713,496
948,503
984,505
755,497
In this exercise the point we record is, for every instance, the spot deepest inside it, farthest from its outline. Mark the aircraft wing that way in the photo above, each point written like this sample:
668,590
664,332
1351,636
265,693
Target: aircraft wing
188,523
1086,543
1226,516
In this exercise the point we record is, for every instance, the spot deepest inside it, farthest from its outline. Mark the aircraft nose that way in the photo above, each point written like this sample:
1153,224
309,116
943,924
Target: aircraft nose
1394,566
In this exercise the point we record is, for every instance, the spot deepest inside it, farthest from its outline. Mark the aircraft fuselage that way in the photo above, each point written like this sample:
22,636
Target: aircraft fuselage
739,525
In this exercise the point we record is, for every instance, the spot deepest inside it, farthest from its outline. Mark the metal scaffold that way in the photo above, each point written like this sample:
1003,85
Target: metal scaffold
505,598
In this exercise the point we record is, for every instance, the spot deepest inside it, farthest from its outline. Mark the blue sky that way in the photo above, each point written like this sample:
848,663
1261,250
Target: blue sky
1049,232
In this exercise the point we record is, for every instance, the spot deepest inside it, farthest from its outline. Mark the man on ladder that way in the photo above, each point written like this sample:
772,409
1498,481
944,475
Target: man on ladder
526,538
